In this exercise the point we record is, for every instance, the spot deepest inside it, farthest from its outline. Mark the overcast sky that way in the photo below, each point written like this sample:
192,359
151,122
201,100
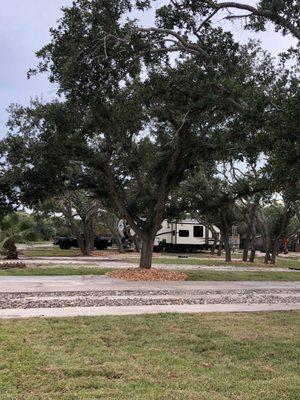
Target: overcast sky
24,29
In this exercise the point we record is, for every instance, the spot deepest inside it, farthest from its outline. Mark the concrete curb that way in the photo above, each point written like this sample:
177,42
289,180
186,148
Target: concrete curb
140,310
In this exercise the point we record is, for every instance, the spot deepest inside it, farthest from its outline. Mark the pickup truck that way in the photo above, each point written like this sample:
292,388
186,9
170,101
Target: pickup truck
66,242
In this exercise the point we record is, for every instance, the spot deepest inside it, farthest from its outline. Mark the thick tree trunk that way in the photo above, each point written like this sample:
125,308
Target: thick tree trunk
115,234
274,252
147,252
120,245
82,245
252,255
251,233
89,237
253,251
267,256
76,232
214,246
137,244
227,247
253,245
221,241
11,250
246,247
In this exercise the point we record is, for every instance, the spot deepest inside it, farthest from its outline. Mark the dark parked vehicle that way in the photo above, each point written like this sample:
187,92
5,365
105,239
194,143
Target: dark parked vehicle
65,242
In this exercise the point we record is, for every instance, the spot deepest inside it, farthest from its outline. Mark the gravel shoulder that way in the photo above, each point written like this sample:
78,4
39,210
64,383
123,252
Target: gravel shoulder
147,297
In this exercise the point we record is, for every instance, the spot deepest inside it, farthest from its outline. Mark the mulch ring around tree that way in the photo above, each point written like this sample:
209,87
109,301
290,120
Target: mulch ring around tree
12,264
140,274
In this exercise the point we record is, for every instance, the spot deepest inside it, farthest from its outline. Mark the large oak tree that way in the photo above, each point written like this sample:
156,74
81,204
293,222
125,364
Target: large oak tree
133,119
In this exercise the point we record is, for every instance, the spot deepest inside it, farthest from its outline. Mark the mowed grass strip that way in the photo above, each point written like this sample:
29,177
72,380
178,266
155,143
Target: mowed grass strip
52,271
193,275
54,251
167,357
242,276
286,263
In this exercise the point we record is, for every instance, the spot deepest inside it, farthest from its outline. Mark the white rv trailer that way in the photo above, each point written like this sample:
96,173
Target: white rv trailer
185,235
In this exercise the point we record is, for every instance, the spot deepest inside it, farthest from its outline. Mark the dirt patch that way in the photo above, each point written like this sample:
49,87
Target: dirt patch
249,264
12,264
140,274
104,253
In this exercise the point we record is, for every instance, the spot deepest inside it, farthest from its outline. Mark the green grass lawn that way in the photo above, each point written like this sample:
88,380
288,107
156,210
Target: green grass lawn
162,357
197,259
192,275
242,276
203,254
52,271
286,263
194,259
54,251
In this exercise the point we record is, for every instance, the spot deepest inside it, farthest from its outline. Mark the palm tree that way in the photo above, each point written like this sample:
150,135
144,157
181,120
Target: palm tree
16,226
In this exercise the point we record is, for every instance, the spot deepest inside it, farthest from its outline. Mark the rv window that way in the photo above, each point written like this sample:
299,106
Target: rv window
198,231
184,233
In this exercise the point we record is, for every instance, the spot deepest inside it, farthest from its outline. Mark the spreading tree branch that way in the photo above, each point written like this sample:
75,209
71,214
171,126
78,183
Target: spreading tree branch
259,12
181,44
